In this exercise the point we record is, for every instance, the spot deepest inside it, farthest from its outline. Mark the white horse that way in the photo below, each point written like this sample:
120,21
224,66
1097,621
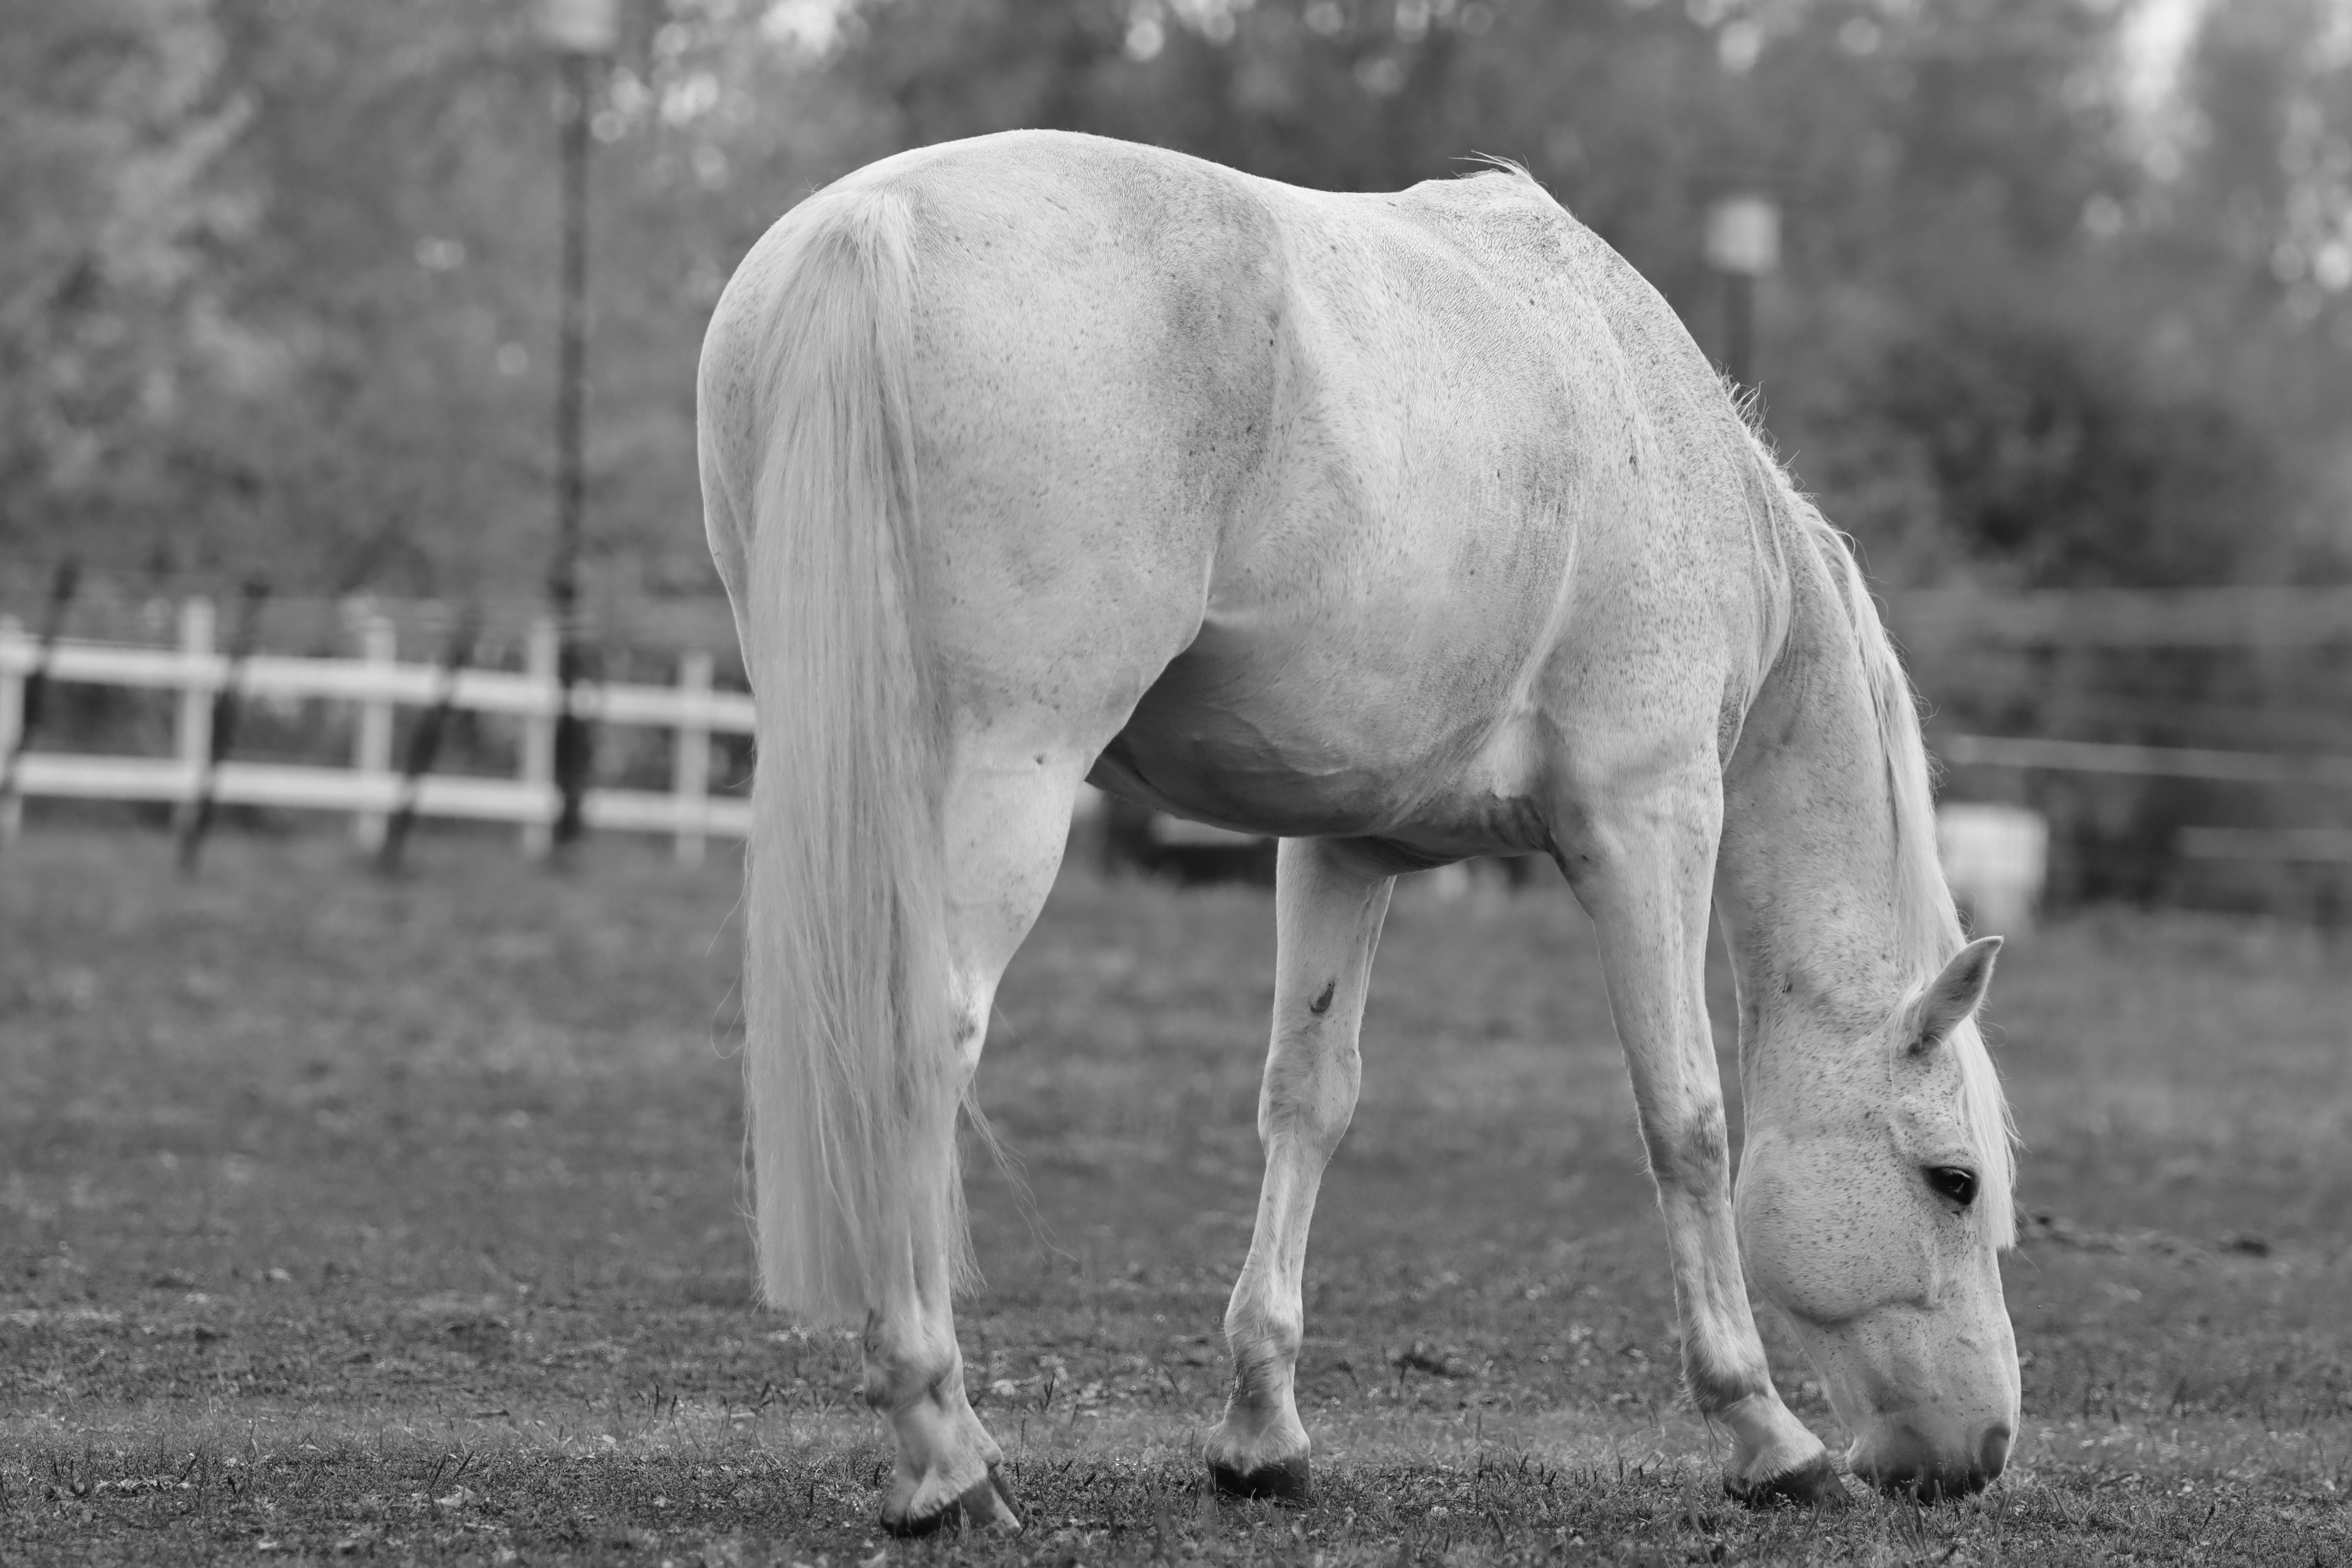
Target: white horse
1403,527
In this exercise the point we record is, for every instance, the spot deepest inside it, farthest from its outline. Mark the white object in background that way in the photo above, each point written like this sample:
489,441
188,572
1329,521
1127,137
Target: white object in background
580,27
1996,859
206,674
372,739
690,768
542,662
1449,884
12,720
1743,234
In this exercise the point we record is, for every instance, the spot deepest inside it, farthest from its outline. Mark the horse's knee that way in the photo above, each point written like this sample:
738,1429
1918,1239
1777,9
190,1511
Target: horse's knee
1689,1153
1309,1095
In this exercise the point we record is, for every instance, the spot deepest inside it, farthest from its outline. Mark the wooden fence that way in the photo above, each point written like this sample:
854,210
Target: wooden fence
2211,618
372,788
2309,622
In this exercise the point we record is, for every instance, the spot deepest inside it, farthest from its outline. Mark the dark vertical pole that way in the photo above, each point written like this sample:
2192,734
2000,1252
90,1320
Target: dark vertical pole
1742,244
1739,329
424,740
571,479
199,820
63,584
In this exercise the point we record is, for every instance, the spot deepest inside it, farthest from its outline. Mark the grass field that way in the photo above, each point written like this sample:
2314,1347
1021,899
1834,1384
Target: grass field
341,1220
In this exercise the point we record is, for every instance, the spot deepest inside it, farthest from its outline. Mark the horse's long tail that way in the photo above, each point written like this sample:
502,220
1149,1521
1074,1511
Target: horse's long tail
850,1066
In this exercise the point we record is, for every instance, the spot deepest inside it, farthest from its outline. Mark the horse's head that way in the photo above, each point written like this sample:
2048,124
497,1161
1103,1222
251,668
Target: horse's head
1873,1205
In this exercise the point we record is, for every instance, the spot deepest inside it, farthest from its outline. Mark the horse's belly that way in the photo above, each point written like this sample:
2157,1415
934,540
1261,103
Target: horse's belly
1345,733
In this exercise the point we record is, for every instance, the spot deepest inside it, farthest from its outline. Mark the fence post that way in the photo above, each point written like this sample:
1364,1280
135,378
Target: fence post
690,759
544,666
16,653
195,726
372,752
424,737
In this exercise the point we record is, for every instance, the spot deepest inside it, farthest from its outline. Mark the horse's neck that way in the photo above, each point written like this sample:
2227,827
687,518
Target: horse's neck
1806,884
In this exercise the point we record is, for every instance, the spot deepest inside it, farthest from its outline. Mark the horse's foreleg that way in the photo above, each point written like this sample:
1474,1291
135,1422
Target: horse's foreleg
1643,868
1006,818
1328,919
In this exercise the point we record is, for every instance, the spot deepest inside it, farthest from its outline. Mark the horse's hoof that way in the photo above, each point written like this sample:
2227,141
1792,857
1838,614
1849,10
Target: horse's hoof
984,1505
915,1526
988,1505
1813,1484
1285,1480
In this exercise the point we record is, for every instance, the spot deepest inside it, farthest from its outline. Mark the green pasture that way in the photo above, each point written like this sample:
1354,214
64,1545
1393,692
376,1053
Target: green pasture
347,1220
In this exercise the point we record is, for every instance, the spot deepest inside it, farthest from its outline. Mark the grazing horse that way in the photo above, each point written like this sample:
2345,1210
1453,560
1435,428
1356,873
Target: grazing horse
1404,528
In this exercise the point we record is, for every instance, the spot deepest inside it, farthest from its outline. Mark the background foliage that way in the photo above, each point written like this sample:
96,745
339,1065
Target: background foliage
275,275
2066,297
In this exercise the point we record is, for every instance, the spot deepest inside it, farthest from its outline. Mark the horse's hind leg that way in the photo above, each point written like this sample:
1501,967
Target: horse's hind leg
1328,914
1006,816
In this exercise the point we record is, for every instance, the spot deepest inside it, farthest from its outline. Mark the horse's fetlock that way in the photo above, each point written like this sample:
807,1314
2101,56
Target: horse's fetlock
877,1391
1265,1338
1717,1388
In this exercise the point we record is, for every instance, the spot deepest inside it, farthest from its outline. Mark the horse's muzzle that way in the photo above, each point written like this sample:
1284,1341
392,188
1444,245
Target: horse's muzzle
1904,1461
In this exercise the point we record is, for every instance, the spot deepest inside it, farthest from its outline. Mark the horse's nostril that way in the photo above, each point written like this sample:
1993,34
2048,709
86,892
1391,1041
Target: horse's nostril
1904,1463
1994,1455
1892,1461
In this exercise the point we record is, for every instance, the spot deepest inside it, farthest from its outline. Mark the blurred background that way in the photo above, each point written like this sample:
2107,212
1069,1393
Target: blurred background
347,481
2049,302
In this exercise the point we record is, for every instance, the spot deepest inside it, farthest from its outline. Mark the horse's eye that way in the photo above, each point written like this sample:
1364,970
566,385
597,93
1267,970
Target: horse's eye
1954,1183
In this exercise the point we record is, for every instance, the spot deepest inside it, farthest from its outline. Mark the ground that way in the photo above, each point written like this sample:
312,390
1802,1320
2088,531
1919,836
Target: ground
401,1222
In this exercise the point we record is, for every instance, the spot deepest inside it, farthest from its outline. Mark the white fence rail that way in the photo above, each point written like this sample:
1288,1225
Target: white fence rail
2150,762
372,788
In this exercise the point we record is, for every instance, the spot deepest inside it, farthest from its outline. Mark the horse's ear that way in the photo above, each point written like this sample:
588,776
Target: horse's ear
1954,995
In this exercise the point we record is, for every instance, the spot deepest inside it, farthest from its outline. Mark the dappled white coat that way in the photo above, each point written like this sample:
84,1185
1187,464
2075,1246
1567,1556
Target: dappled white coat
1406,527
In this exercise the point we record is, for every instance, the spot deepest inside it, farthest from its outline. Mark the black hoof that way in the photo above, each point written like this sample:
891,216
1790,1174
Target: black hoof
916,1527
1934,1489
988,1505
984,1505
1815,1484
1282,1483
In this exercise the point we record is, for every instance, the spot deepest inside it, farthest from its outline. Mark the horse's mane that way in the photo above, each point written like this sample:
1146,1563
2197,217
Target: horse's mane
1928,925
1496,163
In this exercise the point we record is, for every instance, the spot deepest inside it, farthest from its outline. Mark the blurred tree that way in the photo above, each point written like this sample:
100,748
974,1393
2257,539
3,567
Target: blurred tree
277,277
278,272
2251,238
282,292
114,124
